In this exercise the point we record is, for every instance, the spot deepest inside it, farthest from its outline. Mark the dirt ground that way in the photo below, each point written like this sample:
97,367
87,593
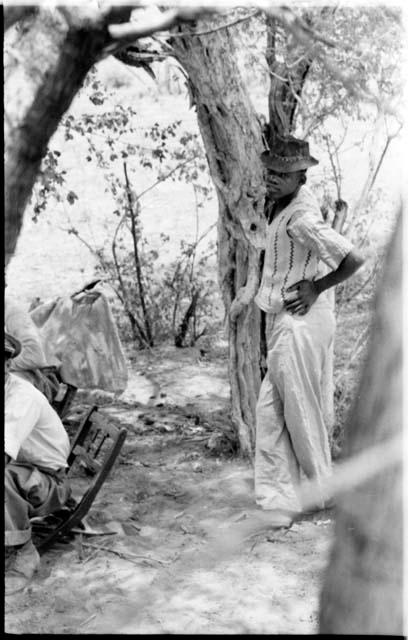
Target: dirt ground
183,553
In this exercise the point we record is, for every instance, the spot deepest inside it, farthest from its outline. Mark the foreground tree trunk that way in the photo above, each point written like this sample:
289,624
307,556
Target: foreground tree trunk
47,56
40,83
232,138
363,587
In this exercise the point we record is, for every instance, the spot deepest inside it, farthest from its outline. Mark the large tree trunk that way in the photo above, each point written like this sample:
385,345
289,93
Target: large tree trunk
362,592
233,143
46,61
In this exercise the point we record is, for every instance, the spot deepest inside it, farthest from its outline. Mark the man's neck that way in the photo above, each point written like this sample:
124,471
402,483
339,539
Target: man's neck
276,206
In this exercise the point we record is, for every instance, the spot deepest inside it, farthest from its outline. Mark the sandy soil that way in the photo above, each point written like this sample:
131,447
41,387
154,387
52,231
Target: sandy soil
186,553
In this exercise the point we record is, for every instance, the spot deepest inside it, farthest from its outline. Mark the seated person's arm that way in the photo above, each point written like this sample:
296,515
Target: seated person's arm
20,416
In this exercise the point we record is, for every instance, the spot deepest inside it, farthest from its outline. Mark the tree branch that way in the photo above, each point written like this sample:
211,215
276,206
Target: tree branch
136,256
11,15
133,58
219,28
298,27
123,34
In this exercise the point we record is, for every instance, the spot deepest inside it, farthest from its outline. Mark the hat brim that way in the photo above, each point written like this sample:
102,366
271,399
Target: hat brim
287,165
11,345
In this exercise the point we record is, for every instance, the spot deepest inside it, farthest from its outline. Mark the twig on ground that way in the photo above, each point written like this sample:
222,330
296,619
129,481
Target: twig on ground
122,555
90,557
88,620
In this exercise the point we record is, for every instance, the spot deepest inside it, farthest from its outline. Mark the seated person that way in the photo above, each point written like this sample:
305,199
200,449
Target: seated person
31,364
36,448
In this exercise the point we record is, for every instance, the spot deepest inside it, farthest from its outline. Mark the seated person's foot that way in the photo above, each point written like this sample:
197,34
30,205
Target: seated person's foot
23,563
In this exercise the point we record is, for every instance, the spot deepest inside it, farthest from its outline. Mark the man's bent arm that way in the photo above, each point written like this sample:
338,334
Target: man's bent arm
346,268
307,291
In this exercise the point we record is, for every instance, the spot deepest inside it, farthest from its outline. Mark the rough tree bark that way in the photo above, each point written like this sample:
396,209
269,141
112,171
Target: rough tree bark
363,587
232,138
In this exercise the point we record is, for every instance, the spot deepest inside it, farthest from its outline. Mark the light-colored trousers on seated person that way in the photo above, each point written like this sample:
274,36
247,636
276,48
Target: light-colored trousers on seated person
294,407
29,492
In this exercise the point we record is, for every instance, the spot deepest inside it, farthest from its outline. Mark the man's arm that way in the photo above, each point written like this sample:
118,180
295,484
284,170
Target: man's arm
307,291
22,408
347,267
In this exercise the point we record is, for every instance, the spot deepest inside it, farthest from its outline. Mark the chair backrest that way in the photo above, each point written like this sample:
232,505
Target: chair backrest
59,393
62,405
94,450
96,444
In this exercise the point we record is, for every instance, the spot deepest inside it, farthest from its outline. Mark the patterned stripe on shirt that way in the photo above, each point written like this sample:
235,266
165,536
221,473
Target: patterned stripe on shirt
308,257
275,249
285,281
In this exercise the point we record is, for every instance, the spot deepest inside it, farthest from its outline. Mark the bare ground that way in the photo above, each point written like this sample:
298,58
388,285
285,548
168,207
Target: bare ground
184,554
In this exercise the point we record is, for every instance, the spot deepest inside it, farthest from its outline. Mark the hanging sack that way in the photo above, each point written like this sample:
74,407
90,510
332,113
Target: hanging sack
79,335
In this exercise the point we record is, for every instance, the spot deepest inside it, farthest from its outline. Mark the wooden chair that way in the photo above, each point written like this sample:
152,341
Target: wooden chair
63,404
62,393
94,449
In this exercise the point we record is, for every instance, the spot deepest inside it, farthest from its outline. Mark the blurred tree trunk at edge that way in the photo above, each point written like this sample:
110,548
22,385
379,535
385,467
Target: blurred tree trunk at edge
363,587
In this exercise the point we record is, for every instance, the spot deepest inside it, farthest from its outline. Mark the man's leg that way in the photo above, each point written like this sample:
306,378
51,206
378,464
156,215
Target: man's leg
299,364
27,492
327,390
276,468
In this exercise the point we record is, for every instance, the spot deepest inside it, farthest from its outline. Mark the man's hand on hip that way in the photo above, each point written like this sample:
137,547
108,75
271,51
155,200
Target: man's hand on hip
305,295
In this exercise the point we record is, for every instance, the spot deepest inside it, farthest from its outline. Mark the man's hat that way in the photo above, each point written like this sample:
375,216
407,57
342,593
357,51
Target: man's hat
288,154
12,346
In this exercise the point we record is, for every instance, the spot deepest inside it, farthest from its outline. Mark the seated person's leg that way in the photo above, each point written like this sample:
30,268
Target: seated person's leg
28,492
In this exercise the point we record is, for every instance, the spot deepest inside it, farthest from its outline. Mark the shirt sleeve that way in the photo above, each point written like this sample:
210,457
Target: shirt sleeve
20,417
310,230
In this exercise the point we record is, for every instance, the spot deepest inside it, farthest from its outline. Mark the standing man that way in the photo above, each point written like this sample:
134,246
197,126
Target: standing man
304,259
36,448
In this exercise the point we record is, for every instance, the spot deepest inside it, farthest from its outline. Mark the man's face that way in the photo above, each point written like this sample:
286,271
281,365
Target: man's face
279,185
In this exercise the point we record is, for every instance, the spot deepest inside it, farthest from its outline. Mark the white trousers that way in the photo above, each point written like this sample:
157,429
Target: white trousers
294,407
